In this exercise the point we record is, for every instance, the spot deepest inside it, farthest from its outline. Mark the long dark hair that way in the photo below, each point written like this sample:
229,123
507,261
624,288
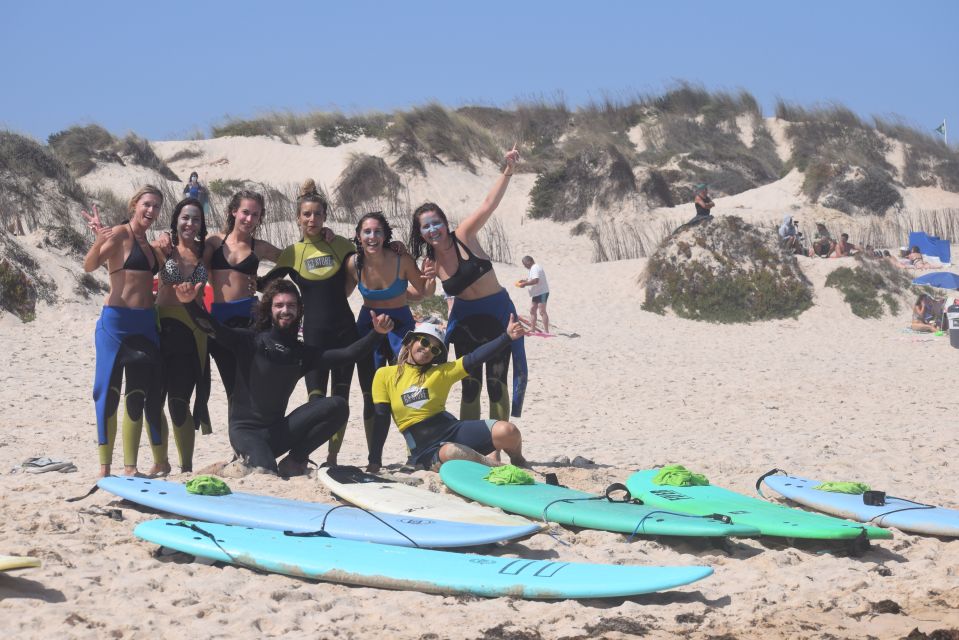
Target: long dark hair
387,235
417,243
178,209
263,317
234,206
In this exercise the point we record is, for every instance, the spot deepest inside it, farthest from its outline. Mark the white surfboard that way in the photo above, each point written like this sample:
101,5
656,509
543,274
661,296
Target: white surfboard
9,563
376,493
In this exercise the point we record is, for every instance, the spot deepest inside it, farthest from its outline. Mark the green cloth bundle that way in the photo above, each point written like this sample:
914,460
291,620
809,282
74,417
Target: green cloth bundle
676,475
855,488
207,486
508,474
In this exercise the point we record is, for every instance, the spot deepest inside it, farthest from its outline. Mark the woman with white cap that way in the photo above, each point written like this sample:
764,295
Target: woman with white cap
414,392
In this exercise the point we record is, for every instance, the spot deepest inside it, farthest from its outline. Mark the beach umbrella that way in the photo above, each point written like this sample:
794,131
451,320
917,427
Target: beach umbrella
940,279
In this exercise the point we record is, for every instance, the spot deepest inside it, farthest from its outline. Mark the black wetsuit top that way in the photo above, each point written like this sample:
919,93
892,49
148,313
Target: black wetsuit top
248,265
268,366
701,210
468,270
138,260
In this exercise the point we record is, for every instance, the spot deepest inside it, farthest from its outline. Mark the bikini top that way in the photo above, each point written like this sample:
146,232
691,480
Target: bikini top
397,287
170,274
469,270
248,265
137,260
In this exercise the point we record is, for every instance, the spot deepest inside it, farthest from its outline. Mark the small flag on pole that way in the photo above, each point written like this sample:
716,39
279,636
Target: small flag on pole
941,128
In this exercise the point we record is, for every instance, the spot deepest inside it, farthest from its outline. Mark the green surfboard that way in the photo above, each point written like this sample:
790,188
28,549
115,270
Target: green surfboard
771,519
577,508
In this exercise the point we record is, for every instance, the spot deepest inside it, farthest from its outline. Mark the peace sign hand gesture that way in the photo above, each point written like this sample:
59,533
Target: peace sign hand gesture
96,226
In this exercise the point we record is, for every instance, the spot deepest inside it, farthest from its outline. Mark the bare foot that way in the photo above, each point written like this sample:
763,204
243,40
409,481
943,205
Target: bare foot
160,470
131,470
497,455
104,470
187,468
289,467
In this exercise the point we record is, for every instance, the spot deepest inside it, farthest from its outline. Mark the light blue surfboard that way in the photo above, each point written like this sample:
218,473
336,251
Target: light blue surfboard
391,567
897,512
340,521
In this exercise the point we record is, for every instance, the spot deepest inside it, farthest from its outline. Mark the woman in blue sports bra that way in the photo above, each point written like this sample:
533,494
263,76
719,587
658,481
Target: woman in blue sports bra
383,278
126,335
482,308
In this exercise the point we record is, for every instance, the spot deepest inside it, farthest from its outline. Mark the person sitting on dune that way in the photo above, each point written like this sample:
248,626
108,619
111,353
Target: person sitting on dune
844,248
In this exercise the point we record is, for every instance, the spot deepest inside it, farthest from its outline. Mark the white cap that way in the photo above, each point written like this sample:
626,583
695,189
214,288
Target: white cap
433,331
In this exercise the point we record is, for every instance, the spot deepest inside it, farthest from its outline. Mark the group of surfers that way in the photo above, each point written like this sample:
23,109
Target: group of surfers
162,343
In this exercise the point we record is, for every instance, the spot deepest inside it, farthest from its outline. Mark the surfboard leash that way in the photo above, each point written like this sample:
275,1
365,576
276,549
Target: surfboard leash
759,482
321,532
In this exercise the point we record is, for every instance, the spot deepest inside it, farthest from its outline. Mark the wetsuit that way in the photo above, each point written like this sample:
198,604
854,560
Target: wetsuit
126,340
186,365
418,406
268,366
236,313
319,269
475,322
402,323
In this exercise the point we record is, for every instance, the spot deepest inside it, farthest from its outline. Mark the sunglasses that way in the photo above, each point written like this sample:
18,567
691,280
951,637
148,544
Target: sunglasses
427,344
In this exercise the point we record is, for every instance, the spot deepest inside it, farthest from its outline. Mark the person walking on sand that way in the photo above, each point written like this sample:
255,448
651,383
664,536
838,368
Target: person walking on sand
414,393
270,360
538,289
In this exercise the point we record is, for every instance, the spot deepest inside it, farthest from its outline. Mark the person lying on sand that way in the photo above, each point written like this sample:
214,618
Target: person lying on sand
414,391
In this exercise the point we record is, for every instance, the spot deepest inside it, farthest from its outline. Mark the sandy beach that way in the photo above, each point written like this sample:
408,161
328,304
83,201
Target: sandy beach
826,395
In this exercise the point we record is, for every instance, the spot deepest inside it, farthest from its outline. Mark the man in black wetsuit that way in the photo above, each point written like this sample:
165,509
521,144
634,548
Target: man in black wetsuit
270,360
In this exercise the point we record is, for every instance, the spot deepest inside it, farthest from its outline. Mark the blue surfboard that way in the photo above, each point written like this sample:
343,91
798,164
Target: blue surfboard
902,514
339,521
391,567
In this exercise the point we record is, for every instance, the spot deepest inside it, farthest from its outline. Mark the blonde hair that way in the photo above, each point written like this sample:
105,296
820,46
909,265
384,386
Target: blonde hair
147,189
401,362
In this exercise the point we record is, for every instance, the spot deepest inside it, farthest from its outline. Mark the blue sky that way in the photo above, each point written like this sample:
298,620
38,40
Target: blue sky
167,69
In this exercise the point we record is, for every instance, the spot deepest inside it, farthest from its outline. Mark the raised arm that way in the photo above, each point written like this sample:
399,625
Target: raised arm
470,227
104,243
422,283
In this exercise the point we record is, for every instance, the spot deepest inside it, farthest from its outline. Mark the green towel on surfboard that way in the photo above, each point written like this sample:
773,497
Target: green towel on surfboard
208,486
676,475
508,474
855,488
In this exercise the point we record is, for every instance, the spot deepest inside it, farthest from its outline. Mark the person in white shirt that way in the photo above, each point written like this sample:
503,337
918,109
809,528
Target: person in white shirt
538,290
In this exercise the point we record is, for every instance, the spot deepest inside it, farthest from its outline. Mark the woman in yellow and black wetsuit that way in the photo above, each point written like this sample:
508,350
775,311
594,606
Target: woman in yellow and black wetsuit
186,360
481,308
126,335
317,265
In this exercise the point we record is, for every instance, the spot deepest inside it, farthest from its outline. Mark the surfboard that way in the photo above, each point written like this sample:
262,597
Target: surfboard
340,521
770,519
9,563
391,567
897,512
577,508
388,496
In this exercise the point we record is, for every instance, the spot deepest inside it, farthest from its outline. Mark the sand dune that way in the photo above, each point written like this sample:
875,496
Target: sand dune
827,394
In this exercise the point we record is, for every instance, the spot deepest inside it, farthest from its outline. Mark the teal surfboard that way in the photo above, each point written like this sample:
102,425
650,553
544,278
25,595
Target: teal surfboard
340,521
770,519
389,567
579,509
894,512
